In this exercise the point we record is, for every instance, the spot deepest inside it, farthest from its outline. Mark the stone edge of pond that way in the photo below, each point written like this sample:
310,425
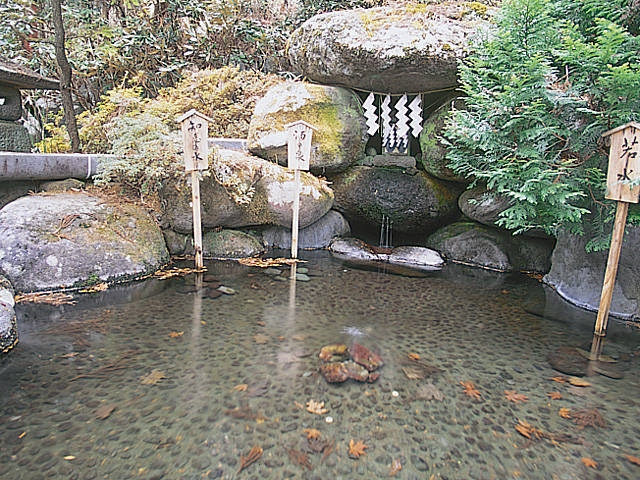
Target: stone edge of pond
8,324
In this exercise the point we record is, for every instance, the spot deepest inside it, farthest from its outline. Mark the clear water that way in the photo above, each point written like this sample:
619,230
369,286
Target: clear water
74,363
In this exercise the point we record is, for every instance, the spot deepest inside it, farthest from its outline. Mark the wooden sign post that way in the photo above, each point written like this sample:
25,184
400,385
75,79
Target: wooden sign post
299,153
195,136
624,168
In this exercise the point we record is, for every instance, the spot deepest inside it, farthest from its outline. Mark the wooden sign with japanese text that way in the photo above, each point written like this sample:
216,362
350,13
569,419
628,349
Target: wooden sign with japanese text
195,134
624,163
299,145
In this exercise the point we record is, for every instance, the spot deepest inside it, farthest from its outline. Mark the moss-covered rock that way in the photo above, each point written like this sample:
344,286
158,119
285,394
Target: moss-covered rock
230,244
433,159
474,244
242,190
65,240
396,49
340,136
413,201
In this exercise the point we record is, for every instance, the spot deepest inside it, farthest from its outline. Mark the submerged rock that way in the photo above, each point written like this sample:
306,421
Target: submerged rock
65,240
341,363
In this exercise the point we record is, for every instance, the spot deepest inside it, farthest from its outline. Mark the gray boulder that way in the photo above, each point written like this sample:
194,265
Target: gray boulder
230,244
8,328
9,191
433,159
404,48
241,190
339,140
414,201
478,245
65,240
316,235
483,206
356,249
577,276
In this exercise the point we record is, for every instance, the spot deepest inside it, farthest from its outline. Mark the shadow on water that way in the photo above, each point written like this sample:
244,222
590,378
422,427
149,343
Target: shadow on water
176,379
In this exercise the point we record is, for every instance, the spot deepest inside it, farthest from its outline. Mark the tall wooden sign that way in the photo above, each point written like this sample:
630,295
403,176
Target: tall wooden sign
195,136
624,168
299,154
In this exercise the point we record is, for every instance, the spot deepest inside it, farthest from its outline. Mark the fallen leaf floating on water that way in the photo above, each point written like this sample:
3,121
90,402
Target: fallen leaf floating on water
316,407
578,382
514,397
100,287
261,338
632,459
242,387
152,378
175,272
588,418
299,457
565,413
311,433
470,390
175,334
529,431
396,466
589,462
356,448
560,379
250,458
413,356
267,262
69,457
46,298
554,395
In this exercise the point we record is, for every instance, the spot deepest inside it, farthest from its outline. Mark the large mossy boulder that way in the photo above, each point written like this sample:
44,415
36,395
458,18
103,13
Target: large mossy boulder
340,136
577,276
66,240
433,156
396,49
483,206
230,244
241,190
474,244
412,200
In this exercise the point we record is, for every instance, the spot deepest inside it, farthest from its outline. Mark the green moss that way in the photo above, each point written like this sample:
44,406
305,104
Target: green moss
478,8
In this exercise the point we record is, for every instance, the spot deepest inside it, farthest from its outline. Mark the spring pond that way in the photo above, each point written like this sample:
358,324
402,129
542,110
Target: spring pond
156,380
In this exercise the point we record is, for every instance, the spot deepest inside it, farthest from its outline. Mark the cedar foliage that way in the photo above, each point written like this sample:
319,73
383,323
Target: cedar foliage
541,87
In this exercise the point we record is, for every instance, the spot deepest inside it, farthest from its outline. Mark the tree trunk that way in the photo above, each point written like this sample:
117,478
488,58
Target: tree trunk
65,76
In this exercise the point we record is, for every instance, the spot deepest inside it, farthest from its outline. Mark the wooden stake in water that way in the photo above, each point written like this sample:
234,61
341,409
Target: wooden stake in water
195,137
624,163
299,153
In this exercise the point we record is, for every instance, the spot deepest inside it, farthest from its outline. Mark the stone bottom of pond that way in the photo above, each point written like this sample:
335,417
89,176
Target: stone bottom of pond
176,384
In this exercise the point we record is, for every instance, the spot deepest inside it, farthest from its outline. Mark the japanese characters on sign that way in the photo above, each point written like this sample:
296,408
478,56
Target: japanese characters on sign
195,133
299,145
624,163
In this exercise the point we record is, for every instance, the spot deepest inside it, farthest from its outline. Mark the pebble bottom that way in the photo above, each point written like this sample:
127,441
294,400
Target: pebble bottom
244,366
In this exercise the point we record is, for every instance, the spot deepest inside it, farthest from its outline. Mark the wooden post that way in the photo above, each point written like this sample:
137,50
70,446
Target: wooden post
195,136
299,153
296,216
624,163
197,221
